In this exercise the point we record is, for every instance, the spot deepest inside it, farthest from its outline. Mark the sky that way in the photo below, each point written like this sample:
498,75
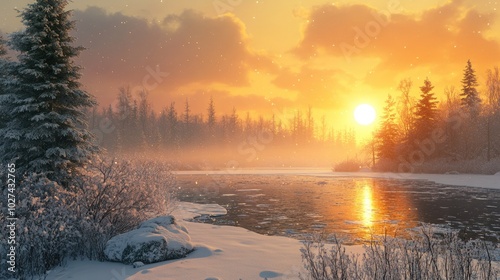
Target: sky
275,57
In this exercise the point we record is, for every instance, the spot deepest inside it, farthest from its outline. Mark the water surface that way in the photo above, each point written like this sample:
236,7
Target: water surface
297,205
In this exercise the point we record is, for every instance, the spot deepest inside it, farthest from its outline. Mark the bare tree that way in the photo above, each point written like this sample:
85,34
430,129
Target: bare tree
452,99
492,109
493,87
405,106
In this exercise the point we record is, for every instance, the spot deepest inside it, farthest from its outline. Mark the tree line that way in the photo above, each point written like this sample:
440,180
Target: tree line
133,125
414,134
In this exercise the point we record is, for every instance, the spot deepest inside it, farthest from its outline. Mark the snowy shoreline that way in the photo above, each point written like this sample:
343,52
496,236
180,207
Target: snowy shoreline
222,252
465,180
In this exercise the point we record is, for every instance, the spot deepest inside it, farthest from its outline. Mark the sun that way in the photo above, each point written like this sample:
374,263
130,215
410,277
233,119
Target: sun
364,114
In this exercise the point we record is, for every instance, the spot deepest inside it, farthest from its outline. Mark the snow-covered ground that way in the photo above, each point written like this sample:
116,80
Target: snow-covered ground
223,252
226,252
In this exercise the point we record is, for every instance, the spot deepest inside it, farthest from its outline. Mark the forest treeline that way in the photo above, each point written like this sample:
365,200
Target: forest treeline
133,126
415,132
459,133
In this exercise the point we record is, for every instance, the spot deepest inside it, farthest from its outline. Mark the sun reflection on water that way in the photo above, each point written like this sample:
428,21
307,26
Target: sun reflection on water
367,210
359,208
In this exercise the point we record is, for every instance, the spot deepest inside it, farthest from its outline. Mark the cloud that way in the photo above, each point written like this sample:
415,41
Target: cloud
442,37
321,88
182,49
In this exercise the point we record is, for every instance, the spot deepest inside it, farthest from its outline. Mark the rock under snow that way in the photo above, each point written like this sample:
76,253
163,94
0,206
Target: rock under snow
155,240
138,264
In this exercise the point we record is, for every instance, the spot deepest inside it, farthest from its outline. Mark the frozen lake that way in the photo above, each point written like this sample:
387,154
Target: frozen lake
294,205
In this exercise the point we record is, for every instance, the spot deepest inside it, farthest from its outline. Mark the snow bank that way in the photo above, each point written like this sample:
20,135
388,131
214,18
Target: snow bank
222,252
155,240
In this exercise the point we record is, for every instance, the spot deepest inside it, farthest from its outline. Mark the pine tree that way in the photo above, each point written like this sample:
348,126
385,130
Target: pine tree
211,115
144,111
405,107
46,132
112,139
172,123
469,96
4,64
124,112
233,121
388,132
187,112
426,112
189,123
3,51
3,59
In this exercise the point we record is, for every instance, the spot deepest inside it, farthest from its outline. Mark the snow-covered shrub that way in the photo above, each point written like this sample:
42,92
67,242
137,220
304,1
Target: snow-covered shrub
56,222
45,231
333,263
115,196
350,165
425,255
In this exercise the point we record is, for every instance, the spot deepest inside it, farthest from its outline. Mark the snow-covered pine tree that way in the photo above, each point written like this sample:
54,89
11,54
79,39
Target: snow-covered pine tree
3,52
426,112
388,132
211,115
3,82
46,132
469,96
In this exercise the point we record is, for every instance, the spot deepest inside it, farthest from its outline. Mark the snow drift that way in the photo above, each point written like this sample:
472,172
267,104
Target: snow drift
155,240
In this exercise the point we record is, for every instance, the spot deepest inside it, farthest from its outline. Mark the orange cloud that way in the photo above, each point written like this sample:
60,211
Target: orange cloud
183,49
442,38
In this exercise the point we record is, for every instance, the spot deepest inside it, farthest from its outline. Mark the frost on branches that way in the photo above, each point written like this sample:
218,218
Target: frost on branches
426,254
46,129
3,82
106,199
114,197
46,231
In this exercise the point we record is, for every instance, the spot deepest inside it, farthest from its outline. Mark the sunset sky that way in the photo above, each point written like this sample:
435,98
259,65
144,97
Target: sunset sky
278,56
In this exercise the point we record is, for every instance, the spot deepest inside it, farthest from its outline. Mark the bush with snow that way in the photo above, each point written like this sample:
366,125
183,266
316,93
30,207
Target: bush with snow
350,165
115,196
155,240
106,199
425,255
46,226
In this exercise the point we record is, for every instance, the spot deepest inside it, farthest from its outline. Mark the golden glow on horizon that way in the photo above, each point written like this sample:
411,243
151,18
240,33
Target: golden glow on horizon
364,114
